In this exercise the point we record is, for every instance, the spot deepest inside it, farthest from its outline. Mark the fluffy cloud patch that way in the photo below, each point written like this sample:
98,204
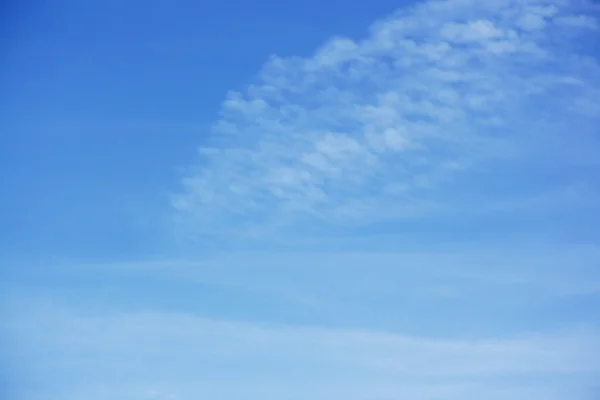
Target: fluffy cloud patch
378,128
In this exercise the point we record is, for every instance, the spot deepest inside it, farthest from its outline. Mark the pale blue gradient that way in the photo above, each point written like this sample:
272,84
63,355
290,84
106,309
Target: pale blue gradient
319,200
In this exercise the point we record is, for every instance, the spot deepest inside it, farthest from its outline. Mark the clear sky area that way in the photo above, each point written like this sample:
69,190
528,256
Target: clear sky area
368,200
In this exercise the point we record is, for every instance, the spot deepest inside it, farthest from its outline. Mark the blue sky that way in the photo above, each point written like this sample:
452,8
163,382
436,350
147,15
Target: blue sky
370,200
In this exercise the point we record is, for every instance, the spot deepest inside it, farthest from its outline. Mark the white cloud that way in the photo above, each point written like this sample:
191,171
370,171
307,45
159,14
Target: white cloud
531,22
578,21
473,31
178,356
436,86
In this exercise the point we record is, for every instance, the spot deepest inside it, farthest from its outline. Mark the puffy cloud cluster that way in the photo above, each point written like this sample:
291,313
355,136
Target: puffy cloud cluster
369,129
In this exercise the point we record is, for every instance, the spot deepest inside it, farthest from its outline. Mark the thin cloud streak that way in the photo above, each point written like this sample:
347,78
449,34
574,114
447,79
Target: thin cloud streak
169,351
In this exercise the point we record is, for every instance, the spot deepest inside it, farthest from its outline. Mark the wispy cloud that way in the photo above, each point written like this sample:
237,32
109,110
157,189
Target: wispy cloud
462,119
179,356
381,128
